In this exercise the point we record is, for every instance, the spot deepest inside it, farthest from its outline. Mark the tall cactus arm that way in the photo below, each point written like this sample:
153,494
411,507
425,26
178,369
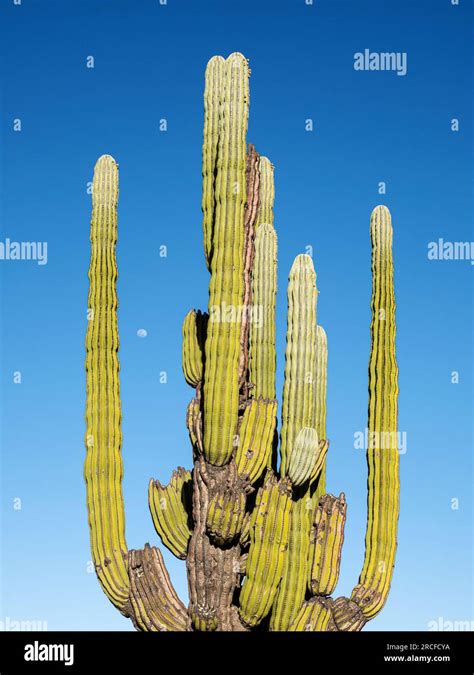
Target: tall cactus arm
298,406
267,192
262,365
226,288
382,454
215,74
321,393
103,468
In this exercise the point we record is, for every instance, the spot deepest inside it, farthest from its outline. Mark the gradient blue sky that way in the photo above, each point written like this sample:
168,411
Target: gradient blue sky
368,127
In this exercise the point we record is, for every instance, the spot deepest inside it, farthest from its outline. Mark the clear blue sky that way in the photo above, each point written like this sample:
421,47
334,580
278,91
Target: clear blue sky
368,127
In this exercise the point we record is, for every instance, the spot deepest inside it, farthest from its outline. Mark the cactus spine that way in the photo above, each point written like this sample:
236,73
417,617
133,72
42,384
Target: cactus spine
262,543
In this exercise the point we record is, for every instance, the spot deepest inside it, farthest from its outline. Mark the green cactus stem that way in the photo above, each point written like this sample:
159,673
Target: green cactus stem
103,468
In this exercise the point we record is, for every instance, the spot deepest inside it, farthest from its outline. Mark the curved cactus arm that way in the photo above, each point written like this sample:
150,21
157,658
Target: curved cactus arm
154,602
382,454
327,537
292,589
103,468
215,74
321,393
262,362
306,458
267,192
298,406
171,511
226,288
194,337
269,532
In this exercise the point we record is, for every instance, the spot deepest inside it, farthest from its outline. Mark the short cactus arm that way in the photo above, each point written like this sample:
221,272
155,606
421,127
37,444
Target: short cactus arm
226,288
194,336
256,435
267,192
269,533
382,454
171,511
327,537
291,592
103,465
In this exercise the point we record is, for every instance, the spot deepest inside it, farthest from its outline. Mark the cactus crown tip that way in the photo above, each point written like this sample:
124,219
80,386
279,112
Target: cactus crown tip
321,332
380,210
106,159
303,261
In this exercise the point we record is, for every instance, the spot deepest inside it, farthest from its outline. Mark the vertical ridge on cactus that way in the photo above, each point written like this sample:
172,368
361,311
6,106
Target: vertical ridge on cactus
262,545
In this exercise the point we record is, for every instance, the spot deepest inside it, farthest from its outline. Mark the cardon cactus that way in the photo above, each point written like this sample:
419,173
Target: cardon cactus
261,537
